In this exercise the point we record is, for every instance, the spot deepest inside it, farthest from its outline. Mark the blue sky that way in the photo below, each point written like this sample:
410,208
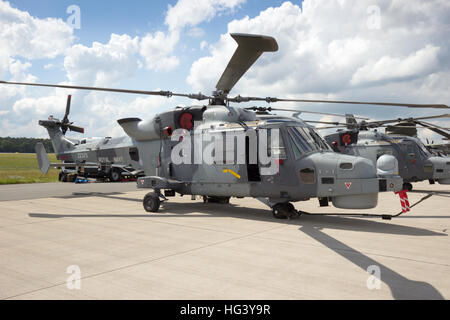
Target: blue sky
380,50
100,18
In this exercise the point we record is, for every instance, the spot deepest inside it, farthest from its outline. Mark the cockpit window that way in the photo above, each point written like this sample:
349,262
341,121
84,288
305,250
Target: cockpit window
423,150
306,140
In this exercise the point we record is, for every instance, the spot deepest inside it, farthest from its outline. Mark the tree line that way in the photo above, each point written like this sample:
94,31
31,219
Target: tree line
23,145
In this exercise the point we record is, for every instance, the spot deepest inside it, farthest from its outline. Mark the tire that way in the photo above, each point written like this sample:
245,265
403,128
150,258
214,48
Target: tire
407,186
151,202
283,210
115,175
224,200
279,211
221,200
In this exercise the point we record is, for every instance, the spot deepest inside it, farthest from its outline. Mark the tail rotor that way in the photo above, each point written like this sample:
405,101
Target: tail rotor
65,123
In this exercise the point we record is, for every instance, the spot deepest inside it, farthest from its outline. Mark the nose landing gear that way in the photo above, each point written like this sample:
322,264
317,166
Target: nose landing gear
407,186
284,210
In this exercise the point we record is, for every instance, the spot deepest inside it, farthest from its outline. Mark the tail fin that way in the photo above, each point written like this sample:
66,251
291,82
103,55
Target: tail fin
42,158
60,143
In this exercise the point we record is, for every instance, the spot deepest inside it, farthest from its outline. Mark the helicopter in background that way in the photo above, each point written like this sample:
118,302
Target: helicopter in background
101,158
306,166
416,162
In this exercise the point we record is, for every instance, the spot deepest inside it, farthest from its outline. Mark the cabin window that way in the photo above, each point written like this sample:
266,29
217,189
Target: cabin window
276,151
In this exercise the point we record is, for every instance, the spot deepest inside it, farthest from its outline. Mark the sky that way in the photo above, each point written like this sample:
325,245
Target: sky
374,50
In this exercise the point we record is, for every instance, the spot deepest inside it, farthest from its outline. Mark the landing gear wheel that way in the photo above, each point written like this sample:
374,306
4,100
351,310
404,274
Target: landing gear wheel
221,200
151,202
284,210
114,175
407,186
224,200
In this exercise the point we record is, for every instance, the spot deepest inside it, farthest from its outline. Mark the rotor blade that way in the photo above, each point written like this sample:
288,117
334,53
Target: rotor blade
239,99
323,122
299,111
433,125
75,128
167,94
439,131
381,122
321,113
322,128
250,48
66,115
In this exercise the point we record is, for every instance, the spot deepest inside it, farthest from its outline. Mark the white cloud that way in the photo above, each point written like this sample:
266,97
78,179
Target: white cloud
157,48
196,32
423,62
157,51
327,51
28,37
203,45
103,64
24,38
192,12
18,71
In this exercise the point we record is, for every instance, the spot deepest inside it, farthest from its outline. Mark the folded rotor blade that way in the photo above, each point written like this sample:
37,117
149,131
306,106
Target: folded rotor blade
250,48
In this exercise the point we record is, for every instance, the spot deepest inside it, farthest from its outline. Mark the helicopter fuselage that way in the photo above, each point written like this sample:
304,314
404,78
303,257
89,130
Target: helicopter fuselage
416,163
305,166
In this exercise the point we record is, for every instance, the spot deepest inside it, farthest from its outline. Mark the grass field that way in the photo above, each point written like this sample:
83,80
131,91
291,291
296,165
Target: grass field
18,168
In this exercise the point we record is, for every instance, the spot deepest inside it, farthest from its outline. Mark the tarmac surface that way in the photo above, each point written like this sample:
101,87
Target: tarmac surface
192,250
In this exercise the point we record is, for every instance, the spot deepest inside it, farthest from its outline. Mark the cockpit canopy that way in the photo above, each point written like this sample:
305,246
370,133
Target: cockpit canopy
304,140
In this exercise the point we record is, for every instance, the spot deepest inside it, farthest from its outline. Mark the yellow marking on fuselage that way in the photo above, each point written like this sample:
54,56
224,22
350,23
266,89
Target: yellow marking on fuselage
232,172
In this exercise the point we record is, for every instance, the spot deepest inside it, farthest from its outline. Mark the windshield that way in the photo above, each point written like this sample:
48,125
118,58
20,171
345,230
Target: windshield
423,149
306,140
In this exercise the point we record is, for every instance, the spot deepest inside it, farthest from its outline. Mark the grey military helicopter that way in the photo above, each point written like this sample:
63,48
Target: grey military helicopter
416,162
106,158
305,165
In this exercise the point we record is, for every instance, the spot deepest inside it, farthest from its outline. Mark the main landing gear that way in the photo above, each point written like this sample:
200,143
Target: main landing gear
152,201
221,200
284,210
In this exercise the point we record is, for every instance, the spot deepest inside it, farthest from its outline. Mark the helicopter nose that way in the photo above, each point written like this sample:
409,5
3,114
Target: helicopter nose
350,182
355,168
441,169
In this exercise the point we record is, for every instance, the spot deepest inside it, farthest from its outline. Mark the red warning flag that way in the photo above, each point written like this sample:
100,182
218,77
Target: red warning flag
404,200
